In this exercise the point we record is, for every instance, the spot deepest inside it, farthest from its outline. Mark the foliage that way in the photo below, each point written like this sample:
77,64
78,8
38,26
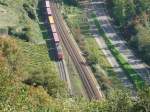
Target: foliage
133,18
117,101
142,103
26,86
19,62
120,101
142,40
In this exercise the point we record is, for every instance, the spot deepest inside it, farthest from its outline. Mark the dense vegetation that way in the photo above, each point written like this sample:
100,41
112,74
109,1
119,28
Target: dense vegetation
28,78
24,83
17,65
133,19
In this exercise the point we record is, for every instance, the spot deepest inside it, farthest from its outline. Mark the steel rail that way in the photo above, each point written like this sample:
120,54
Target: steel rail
62,70
91,88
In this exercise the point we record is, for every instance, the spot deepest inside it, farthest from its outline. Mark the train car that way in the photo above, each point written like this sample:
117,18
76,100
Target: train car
49,12
47,4
53,28
60,55
59,51
56,38
51,19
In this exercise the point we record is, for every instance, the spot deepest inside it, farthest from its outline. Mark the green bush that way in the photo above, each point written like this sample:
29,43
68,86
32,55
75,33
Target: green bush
30,10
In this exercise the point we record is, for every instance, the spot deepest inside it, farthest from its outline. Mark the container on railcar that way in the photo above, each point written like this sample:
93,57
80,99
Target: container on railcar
53,28
47,4
49,11
56,38
51,19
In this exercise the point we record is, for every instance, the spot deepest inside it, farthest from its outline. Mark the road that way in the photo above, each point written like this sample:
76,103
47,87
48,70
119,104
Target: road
98,6
116,67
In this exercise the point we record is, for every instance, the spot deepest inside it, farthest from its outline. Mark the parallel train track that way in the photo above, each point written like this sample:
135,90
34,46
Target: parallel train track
91,87
62,70
63,73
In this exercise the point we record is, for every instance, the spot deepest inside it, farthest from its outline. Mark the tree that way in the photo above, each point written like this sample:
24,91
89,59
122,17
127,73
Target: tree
119,101
142,103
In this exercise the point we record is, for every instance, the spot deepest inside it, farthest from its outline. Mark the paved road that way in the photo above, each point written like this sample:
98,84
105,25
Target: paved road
100,41
98,7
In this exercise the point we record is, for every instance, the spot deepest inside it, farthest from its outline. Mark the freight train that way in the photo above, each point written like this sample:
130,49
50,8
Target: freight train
52,24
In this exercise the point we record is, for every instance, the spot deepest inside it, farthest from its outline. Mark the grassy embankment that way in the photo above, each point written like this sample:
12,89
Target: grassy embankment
131,73
24,83
20,19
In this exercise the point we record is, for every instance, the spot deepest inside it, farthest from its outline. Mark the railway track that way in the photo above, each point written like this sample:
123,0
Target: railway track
64,74
91,87
62,70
